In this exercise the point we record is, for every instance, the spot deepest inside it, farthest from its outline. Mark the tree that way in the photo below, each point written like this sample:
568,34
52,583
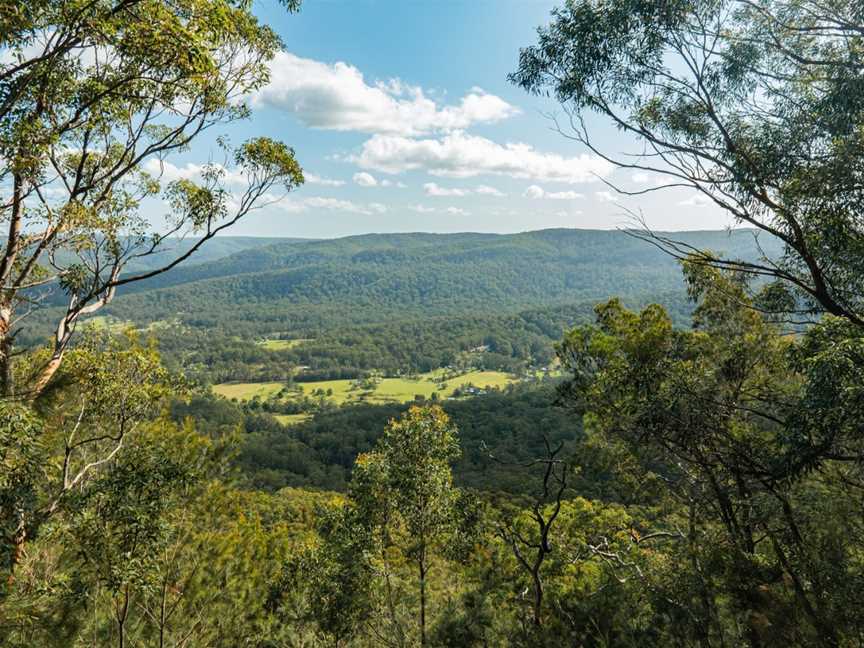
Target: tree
531,549
94,97
107,390
409,474
758,105
90,570
726,416
401,499
119,526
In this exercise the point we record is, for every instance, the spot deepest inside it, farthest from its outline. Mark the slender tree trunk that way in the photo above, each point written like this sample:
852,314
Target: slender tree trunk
6,387
391,605
122,611
703,630
7,263
422,566
828,637
162,613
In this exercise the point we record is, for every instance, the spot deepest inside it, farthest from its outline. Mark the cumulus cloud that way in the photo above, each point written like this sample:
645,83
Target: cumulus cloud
460,155
486,190
296,206
312,178
458,211
168,172
605,196
365,179
368,180
539,192
534,192
432,189
338,97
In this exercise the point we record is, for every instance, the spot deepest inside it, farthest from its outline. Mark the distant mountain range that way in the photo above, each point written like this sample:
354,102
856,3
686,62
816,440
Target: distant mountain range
272,285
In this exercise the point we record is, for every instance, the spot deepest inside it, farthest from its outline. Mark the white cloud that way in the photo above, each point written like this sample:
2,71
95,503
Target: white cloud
433,189
458,211
605,196
365,179
422,209
368,180
312,178
538,192
486,190
563,195
696,200
459,155
337,97
641,178
295,206
168,172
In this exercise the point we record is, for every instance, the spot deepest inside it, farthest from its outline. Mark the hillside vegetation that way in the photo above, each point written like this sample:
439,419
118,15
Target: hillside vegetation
308,287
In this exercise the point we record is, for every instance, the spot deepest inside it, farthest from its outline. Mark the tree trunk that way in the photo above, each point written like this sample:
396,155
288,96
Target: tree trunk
46,374
18,541
538,596
162,613
122,611
422,566
6,387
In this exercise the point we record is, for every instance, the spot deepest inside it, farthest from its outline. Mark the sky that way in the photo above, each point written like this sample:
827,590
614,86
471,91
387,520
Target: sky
403,120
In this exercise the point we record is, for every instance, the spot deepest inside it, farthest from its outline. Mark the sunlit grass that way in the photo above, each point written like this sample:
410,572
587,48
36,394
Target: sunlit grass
389,390
281,345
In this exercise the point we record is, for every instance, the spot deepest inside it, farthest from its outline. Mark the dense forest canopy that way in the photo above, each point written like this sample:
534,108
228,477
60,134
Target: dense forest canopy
670,450
399,302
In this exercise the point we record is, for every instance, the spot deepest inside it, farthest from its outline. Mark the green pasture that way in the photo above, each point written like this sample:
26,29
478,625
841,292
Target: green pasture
389,390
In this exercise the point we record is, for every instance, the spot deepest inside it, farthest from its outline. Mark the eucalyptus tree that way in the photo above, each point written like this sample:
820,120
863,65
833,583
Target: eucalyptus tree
757,105
102,398
95,95
407,479
400,513
756,439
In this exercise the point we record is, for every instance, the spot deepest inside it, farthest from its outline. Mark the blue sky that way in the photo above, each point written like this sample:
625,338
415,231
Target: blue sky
402,117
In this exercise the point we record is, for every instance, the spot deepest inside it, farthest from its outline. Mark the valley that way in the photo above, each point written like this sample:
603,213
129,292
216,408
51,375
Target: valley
293,340
432,324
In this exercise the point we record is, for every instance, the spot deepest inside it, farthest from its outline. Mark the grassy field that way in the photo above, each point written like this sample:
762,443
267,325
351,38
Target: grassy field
113,325
389,390
247,391
292,419
281,345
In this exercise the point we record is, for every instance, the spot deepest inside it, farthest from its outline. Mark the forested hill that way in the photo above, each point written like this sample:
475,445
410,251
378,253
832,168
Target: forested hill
307,285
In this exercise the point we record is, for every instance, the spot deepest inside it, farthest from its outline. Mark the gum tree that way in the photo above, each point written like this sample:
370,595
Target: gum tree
95,95
758,105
